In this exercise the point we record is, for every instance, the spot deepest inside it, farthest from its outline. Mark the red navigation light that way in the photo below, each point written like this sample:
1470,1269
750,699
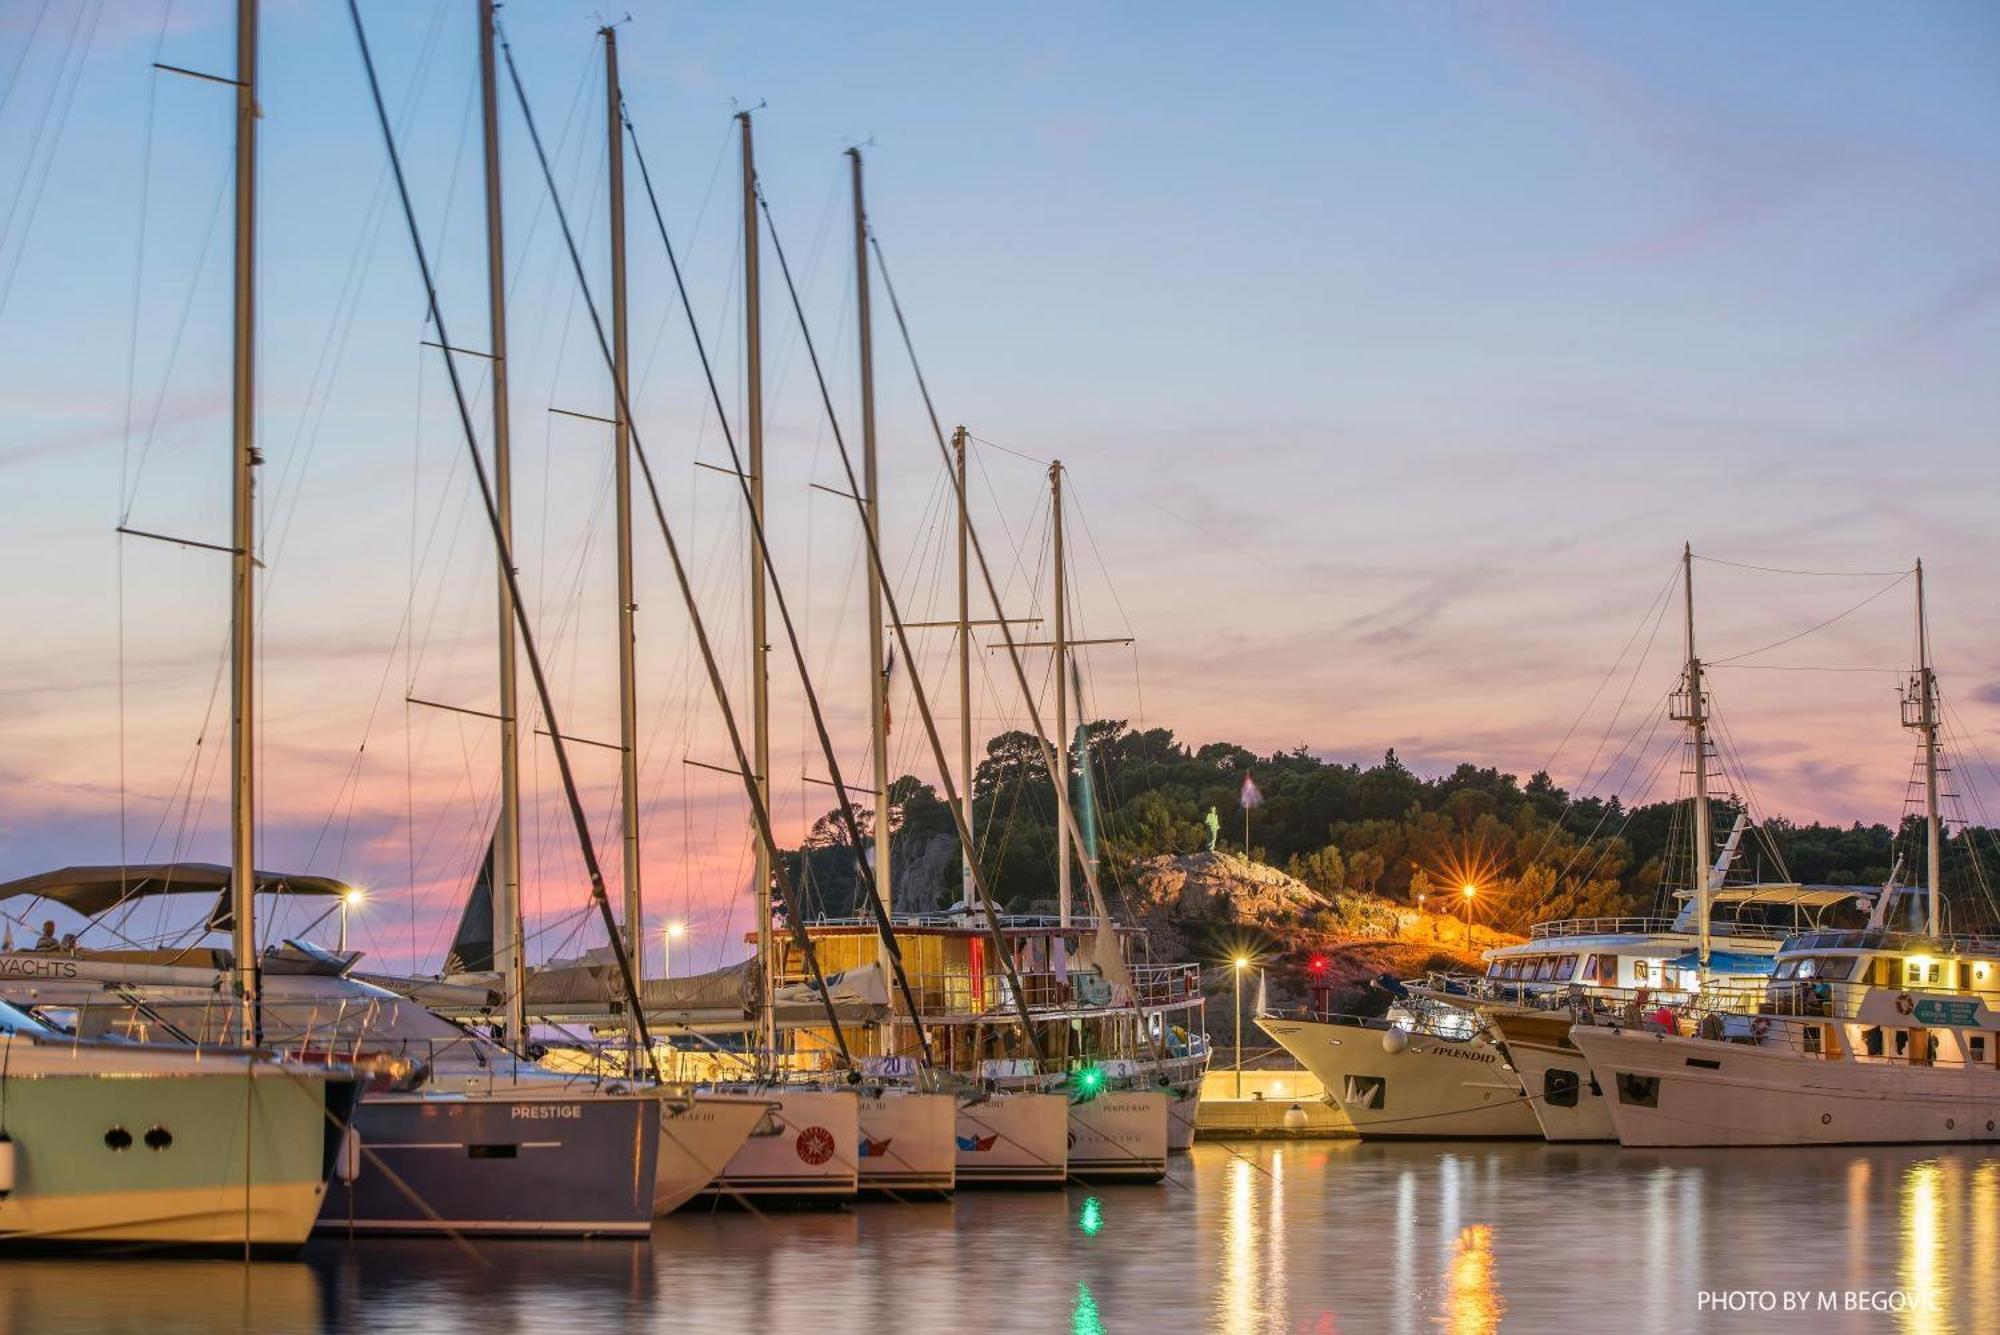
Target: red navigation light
1317,964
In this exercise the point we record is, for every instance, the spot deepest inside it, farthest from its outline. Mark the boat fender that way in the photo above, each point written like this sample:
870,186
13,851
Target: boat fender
1395,1041
1295,1118
7,1153
347,1165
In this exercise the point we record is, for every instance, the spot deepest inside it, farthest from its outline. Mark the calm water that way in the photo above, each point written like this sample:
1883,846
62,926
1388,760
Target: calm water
1328,1237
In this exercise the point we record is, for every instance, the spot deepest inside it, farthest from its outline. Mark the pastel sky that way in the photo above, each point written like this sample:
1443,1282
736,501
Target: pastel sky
1393,350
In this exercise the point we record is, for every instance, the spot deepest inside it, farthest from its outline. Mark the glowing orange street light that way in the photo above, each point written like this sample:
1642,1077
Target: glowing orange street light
1468,892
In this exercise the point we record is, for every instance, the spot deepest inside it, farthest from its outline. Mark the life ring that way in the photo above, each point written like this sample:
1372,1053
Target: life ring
1759,1027
1905,1003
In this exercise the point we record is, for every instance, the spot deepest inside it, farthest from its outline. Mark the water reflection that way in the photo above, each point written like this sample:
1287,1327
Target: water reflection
1475,1303
1301,1237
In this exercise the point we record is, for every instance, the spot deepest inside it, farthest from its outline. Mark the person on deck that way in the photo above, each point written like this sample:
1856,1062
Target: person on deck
48,940
1214,824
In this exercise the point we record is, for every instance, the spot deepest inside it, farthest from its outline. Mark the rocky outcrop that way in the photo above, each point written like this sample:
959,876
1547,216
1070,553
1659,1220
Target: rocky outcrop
1223,885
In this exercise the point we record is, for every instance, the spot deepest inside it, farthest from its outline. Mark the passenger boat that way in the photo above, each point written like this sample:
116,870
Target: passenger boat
1884,1034
116,1143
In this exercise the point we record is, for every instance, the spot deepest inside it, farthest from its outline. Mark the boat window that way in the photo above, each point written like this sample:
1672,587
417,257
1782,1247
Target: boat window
1565,968
1590,968
1871,1041
1494,968
1976,1045
14,1021
1785,969
1838,968
1809,1036
1917,972
1546,969
1808,968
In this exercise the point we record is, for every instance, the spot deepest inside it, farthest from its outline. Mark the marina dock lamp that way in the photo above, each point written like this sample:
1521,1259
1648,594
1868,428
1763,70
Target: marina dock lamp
352,899
1468,892
668,931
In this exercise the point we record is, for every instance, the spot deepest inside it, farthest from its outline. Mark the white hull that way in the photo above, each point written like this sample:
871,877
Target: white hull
1119,1135
808,1147
906,1142
697,1141
1436,1088
128,1144
1013,1139
1182,1109
1588,1118
1756,1095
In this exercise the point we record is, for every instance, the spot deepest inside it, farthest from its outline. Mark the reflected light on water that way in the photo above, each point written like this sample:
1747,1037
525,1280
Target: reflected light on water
1083,1319
1985,1234
1923,1274
1236,1299
1474,1305
1859,1174
1091,1217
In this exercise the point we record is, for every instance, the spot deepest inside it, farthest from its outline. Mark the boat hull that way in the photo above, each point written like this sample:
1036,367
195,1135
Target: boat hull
165,1148
906,1142
1568,1101
501,1164
807,1149
698,1138
1119,1136
1018,1139
1434,1089
1749,1094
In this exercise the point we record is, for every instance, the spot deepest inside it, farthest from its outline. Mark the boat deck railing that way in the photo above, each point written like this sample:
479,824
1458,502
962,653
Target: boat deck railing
963,995
1721,927
1882,939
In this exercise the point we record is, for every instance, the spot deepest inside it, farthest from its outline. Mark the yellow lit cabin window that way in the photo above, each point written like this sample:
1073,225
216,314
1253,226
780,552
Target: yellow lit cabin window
1919,972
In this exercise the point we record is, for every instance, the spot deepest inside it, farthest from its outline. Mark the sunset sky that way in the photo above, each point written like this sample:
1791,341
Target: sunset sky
1394,351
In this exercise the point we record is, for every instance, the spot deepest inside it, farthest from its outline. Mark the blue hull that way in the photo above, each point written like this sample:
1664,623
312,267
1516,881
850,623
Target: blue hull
501,1165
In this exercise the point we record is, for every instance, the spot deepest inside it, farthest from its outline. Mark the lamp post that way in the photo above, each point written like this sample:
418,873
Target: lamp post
350,900
668,931
1468,892
1241,962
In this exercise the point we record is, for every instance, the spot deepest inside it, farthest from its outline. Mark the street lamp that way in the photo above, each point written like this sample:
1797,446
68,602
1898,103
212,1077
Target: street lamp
668,932
1468,892
1241,962
350,900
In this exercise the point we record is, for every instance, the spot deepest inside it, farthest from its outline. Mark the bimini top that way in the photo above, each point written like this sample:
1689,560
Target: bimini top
1786,893
91,890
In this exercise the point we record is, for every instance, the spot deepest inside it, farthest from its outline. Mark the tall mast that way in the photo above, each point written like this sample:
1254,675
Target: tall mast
760,648
628,676
1924,688
1695,715
878,675
964,660
243,536
1060,647
506,886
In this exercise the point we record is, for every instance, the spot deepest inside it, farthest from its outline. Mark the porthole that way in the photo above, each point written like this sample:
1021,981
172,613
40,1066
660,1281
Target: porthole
118,1140
1826,1119
1951,1124
158,1138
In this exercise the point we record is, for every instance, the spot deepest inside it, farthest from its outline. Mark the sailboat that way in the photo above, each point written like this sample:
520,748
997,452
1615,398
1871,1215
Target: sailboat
114,1143
1885,1033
